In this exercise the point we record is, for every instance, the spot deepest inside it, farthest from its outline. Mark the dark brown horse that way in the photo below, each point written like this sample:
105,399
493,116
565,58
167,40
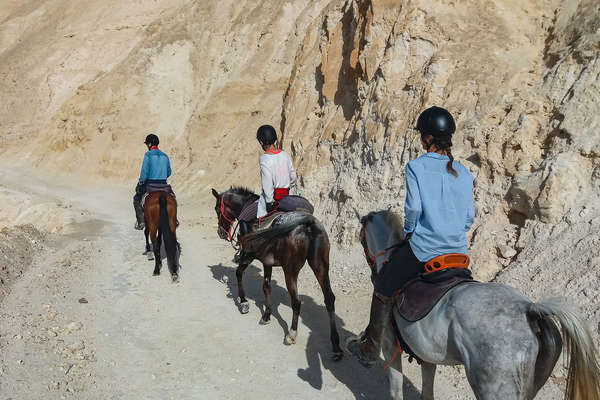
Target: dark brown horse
289,245
160,212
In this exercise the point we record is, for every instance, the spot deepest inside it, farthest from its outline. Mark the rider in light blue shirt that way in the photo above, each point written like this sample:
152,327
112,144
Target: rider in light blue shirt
156,168
439,209
439,206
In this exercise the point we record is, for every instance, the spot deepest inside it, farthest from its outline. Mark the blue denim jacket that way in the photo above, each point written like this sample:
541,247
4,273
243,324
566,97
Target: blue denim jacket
156,166
439,207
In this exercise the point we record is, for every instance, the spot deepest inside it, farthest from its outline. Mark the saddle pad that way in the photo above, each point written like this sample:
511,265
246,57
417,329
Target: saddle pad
418,297
265,222
156,188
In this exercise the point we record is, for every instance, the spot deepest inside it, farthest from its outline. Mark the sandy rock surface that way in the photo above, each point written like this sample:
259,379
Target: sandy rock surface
343,82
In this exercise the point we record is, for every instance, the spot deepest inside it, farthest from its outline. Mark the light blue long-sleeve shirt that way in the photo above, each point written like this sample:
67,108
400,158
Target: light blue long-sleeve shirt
439,207
156,166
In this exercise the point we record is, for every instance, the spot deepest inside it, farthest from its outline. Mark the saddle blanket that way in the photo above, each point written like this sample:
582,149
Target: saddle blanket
287,203
416,299
156,188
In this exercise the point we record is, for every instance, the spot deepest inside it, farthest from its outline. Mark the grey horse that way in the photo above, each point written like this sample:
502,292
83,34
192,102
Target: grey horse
507,343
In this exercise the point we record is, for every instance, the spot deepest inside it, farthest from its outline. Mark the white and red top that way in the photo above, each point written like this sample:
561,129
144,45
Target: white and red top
276,172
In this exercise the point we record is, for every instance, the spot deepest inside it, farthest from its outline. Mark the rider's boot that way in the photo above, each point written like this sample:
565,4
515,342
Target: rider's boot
242,256
139,215
367,347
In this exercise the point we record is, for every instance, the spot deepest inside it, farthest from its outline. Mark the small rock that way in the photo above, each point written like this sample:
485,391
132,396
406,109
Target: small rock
83,300
18,337
77,346
74,326
20,362
506,252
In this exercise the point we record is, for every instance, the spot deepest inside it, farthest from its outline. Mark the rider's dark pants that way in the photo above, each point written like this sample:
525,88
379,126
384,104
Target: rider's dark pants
402,267
140,189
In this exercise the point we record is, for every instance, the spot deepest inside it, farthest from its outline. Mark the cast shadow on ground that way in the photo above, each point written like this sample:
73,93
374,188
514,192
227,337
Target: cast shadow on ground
363,383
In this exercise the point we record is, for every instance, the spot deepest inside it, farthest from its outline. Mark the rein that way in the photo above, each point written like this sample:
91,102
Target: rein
231,231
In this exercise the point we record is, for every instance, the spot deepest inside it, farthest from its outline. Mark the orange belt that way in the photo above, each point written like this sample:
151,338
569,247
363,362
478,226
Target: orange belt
452,260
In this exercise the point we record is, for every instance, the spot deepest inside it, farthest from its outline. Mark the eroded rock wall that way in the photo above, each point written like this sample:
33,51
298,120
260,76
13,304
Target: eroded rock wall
521,79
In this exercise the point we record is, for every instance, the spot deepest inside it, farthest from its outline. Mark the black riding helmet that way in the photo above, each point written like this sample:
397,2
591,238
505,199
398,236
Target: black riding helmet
151,139
436,121
266,135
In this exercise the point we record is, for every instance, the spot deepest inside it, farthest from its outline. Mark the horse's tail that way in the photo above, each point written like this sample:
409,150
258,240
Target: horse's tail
169,238
583,378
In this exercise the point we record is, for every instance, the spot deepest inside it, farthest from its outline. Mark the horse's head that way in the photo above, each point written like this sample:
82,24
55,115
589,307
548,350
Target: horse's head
225,214
228,207
380,231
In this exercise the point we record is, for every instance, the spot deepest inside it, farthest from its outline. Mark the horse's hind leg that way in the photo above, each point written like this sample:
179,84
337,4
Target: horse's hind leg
505,375
239,273
148,251
266,317
291,281
319,263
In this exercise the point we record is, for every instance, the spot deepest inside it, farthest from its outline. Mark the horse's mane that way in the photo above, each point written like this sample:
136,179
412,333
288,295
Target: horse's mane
391,219
242,191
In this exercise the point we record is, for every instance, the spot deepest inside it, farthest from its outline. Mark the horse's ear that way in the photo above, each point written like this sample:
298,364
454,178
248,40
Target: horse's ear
215,193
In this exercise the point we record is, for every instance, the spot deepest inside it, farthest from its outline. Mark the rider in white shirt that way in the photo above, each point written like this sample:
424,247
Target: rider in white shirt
278,177
277,172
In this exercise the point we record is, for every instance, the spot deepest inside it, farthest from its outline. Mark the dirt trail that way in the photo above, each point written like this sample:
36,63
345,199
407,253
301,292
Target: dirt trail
88,320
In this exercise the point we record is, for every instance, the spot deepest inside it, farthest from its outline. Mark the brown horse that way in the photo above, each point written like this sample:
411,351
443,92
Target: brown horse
289,245
160,212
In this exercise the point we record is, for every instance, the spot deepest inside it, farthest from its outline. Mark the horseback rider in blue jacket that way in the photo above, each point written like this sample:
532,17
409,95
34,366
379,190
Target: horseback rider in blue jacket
156,168
438,211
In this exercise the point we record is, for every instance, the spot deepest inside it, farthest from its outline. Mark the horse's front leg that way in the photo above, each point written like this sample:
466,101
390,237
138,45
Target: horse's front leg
239,273
291,280
428,375
266,317
147,234
393,359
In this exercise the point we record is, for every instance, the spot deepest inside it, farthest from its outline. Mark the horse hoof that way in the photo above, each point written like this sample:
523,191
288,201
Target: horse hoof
290,338
175,278
244,307
155,273
337,355
264,321
150,256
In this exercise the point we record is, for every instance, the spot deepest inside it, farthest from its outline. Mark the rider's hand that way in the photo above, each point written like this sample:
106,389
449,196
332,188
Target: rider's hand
270,206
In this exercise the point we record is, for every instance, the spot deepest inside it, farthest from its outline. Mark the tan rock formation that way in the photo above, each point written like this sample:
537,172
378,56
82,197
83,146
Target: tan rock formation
510,72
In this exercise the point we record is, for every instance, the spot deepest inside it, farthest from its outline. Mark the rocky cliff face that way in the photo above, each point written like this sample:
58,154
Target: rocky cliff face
344,80
521,79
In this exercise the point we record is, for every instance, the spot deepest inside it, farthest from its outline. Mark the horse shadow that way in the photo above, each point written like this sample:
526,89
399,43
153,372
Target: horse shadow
363,383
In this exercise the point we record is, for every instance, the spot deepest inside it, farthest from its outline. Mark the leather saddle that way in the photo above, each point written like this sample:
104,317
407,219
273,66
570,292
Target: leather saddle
418,297
157,187
264,223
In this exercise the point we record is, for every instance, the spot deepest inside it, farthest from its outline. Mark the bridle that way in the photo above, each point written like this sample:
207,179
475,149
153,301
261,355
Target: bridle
371,259
222,216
